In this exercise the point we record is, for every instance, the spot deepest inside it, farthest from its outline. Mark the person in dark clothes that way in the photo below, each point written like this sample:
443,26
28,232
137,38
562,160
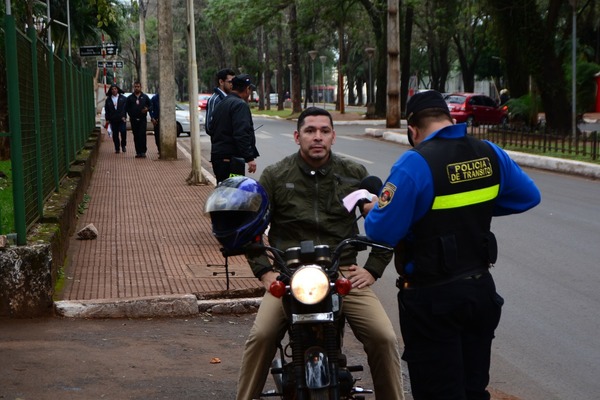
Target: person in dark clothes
232,132
155,118
138,105
116,116
439,201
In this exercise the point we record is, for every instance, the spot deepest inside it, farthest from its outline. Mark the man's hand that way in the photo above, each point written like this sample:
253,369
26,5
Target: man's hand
269,278
369,206
252,166
359,277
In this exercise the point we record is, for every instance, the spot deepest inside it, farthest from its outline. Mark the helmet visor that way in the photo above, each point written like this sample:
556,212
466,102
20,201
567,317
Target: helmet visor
232,199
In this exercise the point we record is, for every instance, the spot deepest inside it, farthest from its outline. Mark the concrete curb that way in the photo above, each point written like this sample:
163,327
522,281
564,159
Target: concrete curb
587,170
154,306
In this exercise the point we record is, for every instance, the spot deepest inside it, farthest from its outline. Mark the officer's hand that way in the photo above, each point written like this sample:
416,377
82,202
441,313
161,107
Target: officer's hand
360,277
251,166
269,278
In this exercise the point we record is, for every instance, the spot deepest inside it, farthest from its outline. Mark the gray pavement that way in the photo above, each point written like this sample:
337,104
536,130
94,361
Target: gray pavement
155,254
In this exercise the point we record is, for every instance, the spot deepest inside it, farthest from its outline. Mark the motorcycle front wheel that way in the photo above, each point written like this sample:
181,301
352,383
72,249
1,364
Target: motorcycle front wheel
319,394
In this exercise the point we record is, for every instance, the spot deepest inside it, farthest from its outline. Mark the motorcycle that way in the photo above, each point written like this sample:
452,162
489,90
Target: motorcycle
312,365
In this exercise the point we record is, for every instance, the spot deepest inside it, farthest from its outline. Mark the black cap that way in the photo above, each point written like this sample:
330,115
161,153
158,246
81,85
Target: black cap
425,100
242,81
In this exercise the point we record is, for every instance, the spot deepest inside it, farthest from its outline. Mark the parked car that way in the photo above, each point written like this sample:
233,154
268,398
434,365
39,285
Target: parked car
476,109
203,100
182,117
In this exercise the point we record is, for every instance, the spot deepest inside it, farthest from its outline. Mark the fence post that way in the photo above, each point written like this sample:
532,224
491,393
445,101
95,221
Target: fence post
16,140
32,33
64,93
55,171
71,97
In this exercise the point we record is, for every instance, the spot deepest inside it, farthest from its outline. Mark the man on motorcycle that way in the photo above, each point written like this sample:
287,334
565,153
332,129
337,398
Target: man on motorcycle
305,192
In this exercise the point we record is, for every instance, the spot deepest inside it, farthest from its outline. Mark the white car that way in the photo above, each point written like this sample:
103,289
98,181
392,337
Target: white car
182,116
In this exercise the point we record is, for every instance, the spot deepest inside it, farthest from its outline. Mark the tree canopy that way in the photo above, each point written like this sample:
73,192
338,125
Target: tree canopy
523,45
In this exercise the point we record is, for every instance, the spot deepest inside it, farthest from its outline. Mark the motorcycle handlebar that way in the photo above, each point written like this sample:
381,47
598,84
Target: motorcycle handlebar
360,242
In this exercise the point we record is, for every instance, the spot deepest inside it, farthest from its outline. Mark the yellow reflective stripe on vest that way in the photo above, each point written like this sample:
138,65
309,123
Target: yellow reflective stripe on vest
465,198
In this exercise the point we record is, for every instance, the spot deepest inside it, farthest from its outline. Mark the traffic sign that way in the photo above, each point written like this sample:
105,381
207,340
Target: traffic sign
111,49
90,51
110,64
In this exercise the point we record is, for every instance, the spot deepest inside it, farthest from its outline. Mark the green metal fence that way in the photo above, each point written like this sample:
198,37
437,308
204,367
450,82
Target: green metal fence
51,114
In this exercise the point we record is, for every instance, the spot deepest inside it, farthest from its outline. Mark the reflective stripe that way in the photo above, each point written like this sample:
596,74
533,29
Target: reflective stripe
465,198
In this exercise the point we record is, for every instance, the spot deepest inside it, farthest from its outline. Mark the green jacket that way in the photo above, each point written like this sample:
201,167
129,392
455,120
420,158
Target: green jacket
307,205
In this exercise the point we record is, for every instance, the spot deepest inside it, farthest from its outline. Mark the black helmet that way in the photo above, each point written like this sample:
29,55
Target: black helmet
239,211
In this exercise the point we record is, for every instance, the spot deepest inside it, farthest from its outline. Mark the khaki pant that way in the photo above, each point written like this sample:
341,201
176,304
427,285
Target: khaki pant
368,321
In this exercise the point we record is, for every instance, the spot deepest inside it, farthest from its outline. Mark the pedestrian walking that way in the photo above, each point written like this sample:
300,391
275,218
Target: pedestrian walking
116,117
138,105
155,118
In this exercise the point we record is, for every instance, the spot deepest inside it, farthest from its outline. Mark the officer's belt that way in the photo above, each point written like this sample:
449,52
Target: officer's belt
403,284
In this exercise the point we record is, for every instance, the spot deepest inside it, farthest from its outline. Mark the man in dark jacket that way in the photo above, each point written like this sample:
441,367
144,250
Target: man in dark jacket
233,141
224,80
138,105
114,111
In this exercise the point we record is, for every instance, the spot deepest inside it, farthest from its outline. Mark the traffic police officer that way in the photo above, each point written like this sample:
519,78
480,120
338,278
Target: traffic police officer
436,208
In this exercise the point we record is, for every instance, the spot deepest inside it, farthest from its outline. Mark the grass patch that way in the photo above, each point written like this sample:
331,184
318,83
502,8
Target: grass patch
83,206
7,212
285,113
60,283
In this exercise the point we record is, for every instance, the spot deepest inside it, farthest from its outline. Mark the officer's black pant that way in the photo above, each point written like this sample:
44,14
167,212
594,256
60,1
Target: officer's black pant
447,332
222,168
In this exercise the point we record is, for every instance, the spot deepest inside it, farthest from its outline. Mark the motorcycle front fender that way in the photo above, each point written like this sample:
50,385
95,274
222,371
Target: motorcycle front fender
316,368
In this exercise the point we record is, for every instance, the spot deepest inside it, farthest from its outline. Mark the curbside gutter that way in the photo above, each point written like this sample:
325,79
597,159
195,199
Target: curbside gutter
154,306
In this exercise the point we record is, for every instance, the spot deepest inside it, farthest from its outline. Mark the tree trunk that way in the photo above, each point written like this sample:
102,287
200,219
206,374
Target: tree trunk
296,81
405,55
168,129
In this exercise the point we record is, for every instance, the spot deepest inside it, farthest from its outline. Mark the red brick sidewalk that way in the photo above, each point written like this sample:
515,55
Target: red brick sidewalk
153,237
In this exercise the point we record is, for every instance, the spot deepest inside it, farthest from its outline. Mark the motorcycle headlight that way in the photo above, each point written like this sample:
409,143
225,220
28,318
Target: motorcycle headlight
310,284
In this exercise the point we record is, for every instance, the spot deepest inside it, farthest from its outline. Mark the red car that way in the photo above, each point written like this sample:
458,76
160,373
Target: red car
203,100
476,109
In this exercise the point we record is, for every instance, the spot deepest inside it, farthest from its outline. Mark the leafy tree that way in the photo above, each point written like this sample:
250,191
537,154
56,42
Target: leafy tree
524,28
470,38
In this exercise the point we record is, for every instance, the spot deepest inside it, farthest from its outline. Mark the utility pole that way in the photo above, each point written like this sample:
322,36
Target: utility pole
574,71
393,81
143,65
196,176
